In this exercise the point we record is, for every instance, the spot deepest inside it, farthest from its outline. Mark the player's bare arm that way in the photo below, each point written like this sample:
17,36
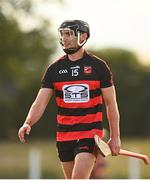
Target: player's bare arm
109,96
36,111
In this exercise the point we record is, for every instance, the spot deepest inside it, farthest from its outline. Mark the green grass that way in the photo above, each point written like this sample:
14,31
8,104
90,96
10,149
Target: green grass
14,159
118,166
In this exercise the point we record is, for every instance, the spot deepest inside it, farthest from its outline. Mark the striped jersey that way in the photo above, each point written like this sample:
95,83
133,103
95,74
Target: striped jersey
77,85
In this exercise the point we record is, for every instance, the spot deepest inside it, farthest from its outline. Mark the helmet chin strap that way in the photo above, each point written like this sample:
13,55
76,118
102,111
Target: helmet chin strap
71,50
74,50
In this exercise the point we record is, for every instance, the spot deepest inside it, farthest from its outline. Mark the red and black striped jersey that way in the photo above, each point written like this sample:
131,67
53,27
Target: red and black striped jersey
77,86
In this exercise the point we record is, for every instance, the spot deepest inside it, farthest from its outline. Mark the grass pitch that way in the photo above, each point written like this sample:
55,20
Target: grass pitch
15,165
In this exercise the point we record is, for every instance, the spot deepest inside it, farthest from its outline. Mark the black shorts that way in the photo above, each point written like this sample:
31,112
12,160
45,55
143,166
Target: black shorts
67,150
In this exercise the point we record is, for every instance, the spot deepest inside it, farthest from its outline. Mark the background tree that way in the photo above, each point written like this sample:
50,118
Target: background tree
133,87
23,58
24,55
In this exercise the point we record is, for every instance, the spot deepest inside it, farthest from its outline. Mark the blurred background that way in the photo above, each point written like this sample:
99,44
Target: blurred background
120,34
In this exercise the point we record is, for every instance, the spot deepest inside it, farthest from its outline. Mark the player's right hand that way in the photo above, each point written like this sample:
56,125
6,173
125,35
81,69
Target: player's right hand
25,129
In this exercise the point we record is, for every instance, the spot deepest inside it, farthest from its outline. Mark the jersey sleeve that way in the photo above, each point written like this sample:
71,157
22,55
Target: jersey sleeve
47,81
106,76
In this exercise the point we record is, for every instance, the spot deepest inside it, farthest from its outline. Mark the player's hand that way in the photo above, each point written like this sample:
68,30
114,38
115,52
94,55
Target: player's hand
114,144
25,129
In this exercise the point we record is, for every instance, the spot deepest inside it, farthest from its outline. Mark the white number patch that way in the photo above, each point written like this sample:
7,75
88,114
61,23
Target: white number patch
76,93
75,72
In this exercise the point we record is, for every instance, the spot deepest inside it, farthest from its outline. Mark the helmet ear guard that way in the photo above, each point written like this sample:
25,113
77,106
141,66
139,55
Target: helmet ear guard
80,43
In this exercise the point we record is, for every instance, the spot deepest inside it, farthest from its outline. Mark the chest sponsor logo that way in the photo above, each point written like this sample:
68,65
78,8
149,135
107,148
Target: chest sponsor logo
76,93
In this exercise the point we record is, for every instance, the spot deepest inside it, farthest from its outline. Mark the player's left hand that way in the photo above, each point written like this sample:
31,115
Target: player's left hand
114,144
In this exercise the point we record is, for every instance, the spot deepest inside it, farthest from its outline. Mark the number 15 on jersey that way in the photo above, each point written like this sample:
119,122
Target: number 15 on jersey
74,72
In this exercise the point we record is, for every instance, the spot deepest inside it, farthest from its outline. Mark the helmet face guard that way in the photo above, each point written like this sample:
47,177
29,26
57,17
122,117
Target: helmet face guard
72,29
68,32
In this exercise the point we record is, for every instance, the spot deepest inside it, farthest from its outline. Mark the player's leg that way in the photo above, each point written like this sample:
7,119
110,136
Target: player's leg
66,156
67,169
85,158
84,163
